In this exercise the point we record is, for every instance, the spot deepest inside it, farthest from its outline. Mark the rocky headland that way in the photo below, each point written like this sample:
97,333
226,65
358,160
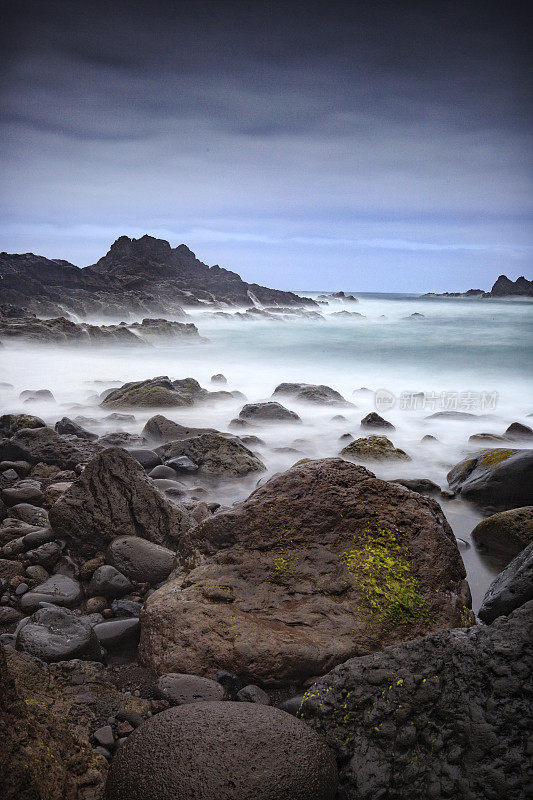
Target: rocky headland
503,287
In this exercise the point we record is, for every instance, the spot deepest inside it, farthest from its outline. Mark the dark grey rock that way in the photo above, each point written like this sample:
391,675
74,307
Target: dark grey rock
58,589
146,458
222,751
218,378
33,515
118,633
45,445
126,608
38,537
518,431
292,705
46,555
268,412
162,471
497,478
182,464
231,683
71,428
445,716
24,492
179,689
373,420
109,582
421,485
512,588
55,634
140,560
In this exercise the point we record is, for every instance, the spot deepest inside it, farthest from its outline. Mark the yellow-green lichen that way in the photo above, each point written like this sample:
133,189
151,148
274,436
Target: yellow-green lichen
379,565
492,457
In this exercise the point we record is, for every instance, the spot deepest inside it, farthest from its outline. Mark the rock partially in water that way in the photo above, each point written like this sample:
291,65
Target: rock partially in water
374,448
268,412
44,445
223,750
320,563
310,393
444,716
150,393
499,478
71,428
506,533
374,420
420,485
215,454
512,588
518,431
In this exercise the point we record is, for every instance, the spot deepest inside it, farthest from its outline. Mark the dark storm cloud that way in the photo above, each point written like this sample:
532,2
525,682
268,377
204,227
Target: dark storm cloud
342,126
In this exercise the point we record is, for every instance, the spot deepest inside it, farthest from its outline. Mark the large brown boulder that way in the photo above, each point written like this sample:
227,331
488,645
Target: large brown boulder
114,497
322,563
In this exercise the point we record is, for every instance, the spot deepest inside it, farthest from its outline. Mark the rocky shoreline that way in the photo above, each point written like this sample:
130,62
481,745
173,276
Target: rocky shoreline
326,616
503,287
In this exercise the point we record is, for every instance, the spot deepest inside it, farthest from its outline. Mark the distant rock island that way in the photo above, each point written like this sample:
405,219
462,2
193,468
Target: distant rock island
141,276
504,287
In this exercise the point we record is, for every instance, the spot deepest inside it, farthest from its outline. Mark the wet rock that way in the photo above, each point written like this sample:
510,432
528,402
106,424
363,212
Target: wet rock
499,478
182,464
374,448
151,393
296,578
506,533
373,420
114,497
219,378
420,485
511,589
486,437
146,458
55,634
140,560
67,426
160,429
443,716
162,471
109,582
268,412
457,415
215,455
118,633
46,555
38,537
58,589
179,689
126,608
222,750
37,573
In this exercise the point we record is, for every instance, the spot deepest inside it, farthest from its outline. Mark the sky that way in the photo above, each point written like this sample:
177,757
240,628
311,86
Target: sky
378,146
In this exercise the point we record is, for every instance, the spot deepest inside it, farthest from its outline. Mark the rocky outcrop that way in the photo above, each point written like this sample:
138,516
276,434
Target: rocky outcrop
215,455
507,532
150,393
510,589
47,716
498,478
143,276
11,423
267,412
504,287
374,448
44,445
223,750
162,430
323,562
114,497
444,716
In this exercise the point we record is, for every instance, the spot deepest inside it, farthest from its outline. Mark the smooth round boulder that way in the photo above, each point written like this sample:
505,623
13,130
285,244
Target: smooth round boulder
179,689
55,634
268,412
108,582
58,589
146,458
223,750
506,533
118,633
140,560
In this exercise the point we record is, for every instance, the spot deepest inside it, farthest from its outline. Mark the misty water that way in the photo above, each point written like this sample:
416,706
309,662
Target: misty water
468,355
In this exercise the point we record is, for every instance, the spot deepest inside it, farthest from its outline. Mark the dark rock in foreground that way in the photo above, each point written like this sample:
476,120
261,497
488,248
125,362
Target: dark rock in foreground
510,589
442,717
223,751
44,445
497,478
114,497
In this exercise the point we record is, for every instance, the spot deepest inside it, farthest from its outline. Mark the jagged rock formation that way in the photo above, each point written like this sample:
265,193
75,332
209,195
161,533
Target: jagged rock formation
503,287
143,276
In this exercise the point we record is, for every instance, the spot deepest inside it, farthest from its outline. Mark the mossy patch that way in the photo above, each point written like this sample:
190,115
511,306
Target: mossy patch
379,564
489,458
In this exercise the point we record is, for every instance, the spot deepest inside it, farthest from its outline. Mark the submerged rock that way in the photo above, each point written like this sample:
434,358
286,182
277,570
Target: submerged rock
114,497
223,750
443,716
323,562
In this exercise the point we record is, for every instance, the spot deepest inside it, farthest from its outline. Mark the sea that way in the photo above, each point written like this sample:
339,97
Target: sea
468,355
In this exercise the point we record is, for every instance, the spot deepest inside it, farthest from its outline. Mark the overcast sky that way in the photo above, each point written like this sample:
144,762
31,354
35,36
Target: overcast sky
370,147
